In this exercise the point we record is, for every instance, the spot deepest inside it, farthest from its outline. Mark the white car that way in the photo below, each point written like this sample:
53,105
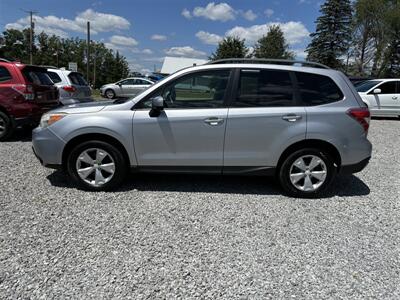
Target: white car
128,87
72,86
382,96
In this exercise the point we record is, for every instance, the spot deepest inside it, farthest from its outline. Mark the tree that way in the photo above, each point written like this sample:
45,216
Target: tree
392,55
273,45
230,47
332,37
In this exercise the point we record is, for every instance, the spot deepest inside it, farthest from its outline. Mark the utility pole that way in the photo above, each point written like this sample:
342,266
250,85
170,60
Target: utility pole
88,53
32,25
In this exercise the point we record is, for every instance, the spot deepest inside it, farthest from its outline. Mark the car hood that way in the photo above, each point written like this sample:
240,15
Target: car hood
80,108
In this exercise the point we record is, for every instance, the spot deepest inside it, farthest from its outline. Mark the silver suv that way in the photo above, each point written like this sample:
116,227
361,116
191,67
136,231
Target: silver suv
301,123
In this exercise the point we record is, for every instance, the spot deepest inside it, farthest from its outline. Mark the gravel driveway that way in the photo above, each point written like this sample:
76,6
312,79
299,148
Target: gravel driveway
200,236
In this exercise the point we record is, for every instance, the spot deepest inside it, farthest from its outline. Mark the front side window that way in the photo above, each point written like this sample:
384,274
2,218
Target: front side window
366,85
4,74
264,88
388,87
199,90
317,89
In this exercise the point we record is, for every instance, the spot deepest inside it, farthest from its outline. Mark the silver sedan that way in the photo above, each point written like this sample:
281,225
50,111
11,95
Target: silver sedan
128,87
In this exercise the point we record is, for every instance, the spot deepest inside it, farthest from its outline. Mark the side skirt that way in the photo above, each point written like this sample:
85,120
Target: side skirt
239,170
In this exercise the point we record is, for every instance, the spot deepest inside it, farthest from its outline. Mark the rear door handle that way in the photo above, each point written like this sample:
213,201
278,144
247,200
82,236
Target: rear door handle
291,117
214,121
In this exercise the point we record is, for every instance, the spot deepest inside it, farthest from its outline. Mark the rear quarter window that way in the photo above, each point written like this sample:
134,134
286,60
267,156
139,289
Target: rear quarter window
317,89
4,74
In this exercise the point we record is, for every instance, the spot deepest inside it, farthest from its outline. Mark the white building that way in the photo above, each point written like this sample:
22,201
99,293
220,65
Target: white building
173,64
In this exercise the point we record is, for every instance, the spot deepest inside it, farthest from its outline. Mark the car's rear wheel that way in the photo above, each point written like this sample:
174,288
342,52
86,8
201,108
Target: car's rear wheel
6,126
96,165
110,94
307,173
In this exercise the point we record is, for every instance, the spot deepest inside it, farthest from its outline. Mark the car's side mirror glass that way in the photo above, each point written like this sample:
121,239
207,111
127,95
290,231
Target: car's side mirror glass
157,105
377,91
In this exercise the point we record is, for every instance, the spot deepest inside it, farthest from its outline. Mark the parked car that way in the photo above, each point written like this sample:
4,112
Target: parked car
72,86
302,124
382,96
26,92
128,87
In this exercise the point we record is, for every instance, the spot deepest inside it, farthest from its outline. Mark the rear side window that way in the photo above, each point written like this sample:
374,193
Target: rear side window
77,79
4,74
54,77
37,76
317,89
264,88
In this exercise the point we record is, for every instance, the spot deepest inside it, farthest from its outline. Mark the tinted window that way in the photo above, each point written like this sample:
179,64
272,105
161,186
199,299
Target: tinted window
77,79
388,87
264,88
4,74
366,86
128,82
54,77
37,76
140,81
317,89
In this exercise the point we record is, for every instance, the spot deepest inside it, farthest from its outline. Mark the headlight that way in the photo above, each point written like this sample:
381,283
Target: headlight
51,118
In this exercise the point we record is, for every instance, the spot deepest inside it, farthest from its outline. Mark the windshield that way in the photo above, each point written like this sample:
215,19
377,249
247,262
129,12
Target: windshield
367,85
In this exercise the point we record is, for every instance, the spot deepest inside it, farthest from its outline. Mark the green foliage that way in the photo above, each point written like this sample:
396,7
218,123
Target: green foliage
273,45
230,47
332,37
109,66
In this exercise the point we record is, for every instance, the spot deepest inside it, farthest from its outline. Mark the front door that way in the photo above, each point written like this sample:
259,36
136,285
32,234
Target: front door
387,100
189,132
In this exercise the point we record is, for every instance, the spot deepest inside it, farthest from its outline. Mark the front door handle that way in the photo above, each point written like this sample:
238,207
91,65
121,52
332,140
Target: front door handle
291,117
214,121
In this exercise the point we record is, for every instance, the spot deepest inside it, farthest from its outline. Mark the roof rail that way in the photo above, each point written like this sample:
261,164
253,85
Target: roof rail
48,67
268,61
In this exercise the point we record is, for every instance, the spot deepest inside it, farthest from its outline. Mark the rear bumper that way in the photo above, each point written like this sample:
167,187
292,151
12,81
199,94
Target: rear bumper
355,168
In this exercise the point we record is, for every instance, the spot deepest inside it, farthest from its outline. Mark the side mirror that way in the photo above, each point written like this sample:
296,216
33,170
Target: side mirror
377,91
157,105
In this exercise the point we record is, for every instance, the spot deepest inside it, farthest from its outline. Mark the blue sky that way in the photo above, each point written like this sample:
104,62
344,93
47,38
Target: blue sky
147,31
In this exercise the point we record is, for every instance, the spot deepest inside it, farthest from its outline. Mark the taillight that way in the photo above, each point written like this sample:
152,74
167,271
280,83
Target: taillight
361,115
69,88
26,90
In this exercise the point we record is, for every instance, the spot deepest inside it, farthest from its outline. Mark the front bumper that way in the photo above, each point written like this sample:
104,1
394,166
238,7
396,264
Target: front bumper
355,168
47,147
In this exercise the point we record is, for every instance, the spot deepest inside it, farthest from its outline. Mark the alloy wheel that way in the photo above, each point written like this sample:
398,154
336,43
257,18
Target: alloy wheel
308,173
95,166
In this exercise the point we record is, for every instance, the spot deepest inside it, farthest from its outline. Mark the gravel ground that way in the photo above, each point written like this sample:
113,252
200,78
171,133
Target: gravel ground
200,237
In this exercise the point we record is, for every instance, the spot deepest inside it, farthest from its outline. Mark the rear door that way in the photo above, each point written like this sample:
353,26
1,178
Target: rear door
263,118
140,85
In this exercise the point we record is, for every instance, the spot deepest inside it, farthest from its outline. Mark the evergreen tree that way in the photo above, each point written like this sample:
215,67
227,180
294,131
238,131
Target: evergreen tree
273,45
331,39
230,47
392,57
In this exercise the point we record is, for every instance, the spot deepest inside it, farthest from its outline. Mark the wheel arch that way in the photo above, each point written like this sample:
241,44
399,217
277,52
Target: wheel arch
94,137
312,143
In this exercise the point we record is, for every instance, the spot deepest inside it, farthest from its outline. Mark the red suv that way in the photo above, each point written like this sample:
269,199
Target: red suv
26,92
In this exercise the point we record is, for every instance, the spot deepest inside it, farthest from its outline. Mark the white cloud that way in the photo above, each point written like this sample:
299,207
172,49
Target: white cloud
208,38
295,32
300,53
158,37
186,13
186,51
113,46
147,51
216,12
269,12
249,15
125,41
99,22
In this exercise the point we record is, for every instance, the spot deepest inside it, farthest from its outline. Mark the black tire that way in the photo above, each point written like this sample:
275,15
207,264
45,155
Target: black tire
6,126
284,173
111,92
118,158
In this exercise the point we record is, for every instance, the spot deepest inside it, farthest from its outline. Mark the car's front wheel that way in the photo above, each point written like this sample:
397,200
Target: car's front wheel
307,173
96,165
6,126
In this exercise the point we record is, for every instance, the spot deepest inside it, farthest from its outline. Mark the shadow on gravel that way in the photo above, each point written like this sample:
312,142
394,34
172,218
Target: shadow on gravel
21,135
343,186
